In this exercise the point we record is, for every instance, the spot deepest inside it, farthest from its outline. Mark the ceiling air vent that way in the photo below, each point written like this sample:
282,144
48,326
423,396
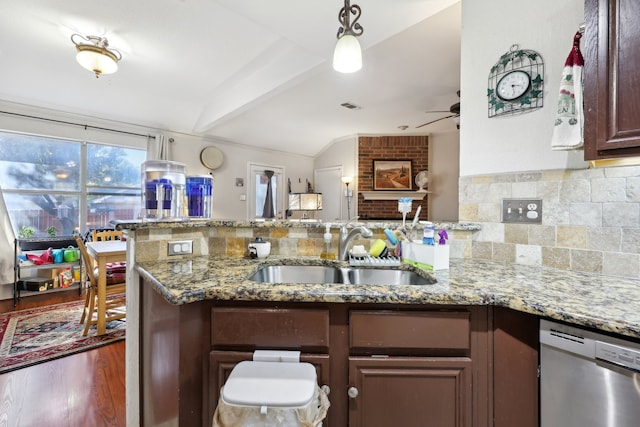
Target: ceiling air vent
350,106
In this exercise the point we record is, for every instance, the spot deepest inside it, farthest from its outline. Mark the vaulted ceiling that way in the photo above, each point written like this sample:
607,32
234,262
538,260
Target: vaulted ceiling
253,72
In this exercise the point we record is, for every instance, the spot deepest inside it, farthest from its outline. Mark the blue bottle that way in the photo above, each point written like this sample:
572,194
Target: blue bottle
428,235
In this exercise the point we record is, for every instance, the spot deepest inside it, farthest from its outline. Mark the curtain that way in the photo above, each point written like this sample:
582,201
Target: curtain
157,148
6,244
268,211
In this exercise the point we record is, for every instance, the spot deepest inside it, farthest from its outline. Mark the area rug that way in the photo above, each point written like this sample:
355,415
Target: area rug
32,336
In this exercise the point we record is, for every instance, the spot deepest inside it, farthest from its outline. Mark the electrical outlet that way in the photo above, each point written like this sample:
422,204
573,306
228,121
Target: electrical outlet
181,247
522,210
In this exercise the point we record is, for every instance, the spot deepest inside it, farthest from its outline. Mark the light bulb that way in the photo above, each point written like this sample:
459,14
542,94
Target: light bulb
347,56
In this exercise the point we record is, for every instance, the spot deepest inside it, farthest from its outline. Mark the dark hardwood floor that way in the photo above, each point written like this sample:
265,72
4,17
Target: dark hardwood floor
84,389
38,300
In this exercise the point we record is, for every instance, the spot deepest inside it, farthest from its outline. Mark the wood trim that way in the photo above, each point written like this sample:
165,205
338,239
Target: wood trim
516,361
393,195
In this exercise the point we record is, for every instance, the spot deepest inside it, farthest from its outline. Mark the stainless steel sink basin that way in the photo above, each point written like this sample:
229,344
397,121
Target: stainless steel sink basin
345,275
297,274
384,276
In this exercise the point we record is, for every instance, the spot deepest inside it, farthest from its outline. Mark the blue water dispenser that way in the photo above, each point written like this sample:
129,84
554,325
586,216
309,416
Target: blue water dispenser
163,190
199,196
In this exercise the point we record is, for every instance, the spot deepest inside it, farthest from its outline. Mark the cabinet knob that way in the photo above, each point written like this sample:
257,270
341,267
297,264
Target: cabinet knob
326,389
352,392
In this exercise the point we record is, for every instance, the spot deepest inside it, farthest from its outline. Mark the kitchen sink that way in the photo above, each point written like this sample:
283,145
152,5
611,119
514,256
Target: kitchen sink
344,275
384,276
297,274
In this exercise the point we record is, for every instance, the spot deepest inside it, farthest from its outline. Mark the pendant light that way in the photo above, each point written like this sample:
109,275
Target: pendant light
347,56
95,55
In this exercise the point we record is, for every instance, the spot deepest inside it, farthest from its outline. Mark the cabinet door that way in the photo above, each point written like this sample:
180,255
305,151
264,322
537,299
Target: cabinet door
611,83
409,392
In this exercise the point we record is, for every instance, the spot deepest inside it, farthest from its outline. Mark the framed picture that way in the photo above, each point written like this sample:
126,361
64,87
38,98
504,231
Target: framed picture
392,175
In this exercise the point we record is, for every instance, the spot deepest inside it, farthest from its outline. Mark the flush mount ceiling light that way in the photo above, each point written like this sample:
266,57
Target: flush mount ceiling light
347,56
94,54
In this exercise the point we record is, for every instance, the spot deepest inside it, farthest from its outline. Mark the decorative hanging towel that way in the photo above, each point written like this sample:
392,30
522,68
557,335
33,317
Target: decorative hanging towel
569,125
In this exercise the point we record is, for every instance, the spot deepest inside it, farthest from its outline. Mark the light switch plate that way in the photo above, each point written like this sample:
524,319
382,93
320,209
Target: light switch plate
522,210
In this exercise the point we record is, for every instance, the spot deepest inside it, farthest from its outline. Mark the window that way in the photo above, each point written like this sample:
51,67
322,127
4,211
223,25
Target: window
51,182
113,183
265,180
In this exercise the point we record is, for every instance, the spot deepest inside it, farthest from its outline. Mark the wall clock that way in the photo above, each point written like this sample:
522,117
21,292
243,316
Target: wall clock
516,83
211,158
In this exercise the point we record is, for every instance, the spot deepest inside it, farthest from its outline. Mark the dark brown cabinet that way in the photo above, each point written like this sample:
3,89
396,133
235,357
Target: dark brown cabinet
254,328
515,368
410,368
611,79
409,391
385,364
403,367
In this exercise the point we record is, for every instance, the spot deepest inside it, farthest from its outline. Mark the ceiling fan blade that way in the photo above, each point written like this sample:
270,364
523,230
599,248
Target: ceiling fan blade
437,111
437,120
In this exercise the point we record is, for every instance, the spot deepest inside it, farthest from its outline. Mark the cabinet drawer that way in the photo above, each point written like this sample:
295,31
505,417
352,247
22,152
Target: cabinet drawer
409,330
250,328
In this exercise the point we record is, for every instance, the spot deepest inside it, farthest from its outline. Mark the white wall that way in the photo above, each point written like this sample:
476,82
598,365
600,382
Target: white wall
520,142
227,203
343,152
444,170
19,120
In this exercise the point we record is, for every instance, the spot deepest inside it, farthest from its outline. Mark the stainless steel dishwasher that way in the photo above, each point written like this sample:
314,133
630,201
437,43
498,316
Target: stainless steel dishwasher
587,379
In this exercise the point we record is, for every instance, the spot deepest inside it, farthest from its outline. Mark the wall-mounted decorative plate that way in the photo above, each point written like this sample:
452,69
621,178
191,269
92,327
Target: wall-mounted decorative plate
516,82
211,158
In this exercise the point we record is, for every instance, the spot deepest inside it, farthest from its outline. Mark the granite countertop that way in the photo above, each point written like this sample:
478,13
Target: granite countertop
603,302
191,223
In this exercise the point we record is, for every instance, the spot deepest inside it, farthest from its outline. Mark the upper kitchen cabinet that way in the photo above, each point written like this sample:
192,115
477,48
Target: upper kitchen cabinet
612,79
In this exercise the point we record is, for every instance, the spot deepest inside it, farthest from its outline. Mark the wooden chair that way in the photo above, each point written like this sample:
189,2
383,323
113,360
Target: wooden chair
115,295
99,236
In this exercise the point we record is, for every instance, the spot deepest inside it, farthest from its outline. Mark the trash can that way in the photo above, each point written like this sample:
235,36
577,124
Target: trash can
273,390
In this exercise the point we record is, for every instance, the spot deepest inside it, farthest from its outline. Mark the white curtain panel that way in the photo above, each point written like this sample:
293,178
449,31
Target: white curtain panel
158,148
6,244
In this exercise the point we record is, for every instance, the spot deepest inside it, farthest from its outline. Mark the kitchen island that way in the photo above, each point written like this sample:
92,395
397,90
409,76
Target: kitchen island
193,314
606,303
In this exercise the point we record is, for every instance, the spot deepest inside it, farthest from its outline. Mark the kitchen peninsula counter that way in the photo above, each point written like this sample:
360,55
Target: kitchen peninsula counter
307,224
603,302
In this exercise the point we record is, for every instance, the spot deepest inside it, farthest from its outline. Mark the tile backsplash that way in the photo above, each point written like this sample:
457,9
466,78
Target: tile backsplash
151,244
590,220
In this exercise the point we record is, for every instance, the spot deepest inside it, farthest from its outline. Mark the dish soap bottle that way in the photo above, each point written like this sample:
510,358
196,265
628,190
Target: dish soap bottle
428,233
327,253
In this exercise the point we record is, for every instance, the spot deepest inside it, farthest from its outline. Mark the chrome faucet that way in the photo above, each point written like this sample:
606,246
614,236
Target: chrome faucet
346,236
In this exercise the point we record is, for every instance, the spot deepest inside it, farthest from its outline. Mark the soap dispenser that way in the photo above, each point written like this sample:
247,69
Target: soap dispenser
327,252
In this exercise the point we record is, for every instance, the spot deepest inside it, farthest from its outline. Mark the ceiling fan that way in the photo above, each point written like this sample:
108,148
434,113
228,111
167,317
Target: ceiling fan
454,111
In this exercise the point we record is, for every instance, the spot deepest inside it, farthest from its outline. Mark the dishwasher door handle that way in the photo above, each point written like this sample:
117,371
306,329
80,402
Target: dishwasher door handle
624,357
